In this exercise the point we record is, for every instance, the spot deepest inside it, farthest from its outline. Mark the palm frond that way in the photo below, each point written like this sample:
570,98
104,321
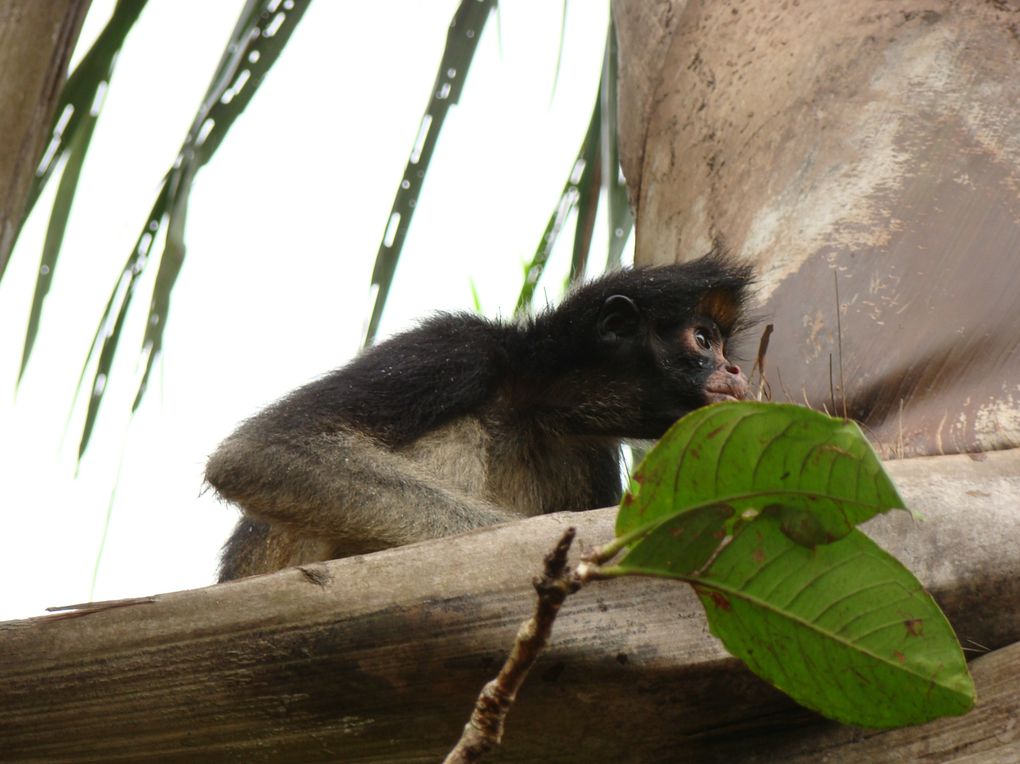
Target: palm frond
80,104
596,168
261,32
461,43
621,221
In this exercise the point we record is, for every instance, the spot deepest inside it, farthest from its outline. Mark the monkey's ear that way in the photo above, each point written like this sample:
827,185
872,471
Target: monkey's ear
619,317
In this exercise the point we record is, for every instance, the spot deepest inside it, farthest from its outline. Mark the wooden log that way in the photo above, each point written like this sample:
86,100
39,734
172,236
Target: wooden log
379,658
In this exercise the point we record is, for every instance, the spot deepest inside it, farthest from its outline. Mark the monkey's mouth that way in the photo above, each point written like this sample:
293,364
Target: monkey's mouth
716,396
725,392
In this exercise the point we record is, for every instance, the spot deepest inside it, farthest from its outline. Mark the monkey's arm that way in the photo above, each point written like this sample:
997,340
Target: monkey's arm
343,487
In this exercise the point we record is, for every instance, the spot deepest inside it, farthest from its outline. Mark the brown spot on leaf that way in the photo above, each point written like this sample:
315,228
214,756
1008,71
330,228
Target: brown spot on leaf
915,627
759,555
720,600
900,657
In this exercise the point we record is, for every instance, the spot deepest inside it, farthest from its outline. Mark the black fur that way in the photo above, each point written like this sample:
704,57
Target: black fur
451,365
406,386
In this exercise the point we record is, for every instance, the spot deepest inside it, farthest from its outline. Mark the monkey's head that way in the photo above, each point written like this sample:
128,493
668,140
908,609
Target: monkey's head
662,337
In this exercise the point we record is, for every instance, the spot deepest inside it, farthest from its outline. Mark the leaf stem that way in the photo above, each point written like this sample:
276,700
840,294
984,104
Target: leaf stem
606,552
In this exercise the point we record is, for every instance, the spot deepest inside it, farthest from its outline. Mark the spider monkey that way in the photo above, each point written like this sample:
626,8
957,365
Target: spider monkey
464,422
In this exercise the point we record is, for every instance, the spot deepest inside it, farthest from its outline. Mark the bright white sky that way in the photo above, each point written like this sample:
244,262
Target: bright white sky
283,228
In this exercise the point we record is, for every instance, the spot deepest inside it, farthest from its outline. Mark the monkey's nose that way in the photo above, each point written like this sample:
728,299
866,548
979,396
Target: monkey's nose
738,382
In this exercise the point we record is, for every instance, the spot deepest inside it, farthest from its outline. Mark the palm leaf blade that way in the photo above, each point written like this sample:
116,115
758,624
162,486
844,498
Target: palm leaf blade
262,31
461,43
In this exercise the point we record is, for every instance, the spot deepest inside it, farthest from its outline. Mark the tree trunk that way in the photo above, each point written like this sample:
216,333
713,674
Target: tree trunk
871,141
36,42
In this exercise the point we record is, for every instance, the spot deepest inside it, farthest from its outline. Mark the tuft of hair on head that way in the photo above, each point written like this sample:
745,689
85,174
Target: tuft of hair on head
714,285
725,292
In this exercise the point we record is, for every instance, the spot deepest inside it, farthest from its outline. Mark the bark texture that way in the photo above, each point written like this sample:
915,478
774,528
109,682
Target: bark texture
36,42
876,141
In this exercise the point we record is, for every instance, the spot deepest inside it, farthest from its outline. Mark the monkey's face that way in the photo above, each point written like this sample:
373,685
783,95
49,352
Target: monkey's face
703,345
690,370
672,368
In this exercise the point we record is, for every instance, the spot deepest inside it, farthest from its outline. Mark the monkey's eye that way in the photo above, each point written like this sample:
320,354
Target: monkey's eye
702,338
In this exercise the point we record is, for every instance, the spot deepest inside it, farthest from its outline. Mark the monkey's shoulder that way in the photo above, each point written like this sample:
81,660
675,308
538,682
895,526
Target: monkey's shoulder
409,385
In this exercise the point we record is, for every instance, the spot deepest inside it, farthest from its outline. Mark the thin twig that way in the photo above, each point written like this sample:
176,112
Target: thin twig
839,339
786,393
899,440
759,363
832,394
87,608
485,729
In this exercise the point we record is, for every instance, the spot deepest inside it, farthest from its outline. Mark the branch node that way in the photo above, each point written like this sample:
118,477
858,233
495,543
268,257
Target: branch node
484,730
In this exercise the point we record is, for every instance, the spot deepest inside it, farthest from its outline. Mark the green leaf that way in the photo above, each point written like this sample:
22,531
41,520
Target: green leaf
476,299
258,38
559,50
587,199
580,181
461,43
682,544
817,474
744,501
582,191
80,103
107,335
621,222
843,628
76,150
169,268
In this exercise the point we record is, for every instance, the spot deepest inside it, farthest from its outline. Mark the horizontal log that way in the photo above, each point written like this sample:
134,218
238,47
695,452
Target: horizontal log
379,658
